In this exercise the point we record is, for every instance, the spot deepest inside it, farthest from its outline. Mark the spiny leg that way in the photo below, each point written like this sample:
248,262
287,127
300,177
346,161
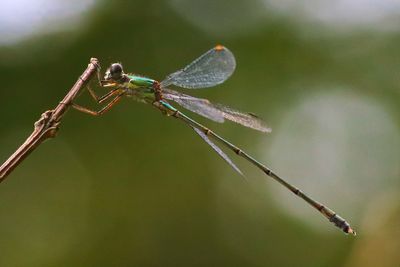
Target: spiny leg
103,98
101,111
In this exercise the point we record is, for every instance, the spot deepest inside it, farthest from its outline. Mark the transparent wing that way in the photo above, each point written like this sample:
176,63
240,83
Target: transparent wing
216,112
210,69
196,105
218,150
246,119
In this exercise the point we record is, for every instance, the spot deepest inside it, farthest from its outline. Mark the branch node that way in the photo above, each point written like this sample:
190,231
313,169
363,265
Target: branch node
43,121
47,126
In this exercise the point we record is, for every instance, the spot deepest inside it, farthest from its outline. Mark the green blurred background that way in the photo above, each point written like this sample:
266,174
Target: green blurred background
134,188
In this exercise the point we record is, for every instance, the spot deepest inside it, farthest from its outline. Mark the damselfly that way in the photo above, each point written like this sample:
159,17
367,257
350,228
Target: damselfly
210,69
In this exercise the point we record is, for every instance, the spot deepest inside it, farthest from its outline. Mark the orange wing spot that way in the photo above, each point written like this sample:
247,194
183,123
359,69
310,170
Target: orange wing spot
219,47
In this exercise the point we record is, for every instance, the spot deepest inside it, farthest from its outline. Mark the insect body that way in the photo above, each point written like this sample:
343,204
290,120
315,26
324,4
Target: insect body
210,69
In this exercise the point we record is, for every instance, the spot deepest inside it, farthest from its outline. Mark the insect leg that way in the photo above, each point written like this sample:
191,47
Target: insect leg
101,111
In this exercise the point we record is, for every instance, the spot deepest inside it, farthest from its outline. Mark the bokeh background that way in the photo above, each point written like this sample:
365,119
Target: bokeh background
134,188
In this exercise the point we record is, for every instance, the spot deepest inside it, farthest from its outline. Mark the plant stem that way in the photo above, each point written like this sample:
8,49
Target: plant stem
48,124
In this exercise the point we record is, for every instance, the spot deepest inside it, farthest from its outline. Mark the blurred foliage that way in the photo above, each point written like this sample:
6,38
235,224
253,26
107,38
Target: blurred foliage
133,188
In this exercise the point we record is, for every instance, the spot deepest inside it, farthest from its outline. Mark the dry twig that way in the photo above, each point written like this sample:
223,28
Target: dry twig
48,124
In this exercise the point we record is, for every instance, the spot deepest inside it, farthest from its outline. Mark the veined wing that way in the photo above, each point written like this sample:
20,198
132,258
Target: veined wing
196,105
218,150
216,112
246,119
210,69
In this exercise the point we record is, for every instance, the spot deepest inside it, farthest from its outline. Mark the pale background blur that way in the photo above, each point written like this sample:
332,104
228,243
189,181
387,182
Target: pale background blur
134,188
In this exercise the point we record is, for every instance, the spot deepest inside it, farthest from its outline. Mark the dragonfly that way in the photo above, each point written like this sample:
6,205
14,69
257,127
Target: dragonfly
210,69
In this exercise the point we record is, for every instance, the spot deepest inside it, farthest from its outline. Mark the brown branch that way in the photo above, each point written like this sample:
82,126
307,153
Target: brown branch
47,126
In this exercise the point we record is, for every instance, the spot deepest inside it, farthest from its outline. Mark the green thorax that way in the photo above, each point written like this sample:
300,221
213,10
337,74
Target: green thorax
140,88
140,82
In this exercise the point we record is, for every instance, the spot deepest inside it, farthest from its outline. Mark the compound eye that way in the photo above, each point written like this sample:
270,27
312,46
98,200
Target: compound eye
116,71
